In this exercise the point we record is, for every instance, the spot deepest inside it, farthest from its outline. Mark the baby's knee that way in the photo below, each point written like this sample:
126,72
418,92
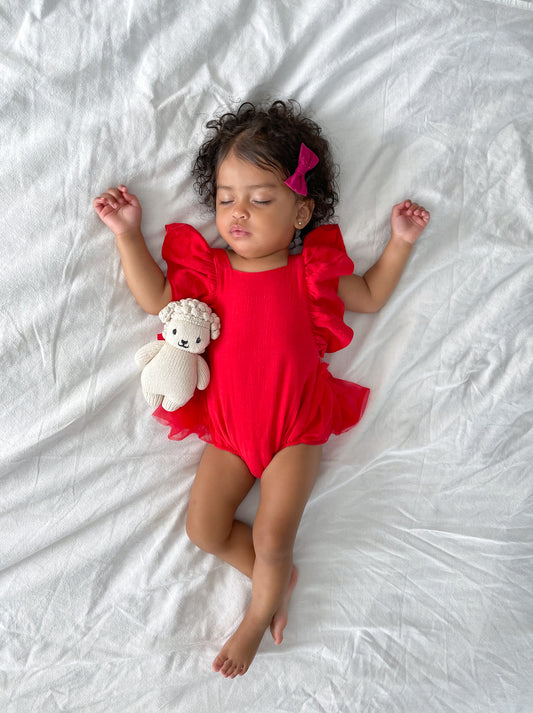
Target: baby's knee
196,531
201,533
272,544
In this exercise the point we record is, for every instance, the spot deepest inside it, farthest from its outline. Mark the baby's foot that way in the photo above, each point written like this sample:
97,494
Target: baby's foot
239,650
279,621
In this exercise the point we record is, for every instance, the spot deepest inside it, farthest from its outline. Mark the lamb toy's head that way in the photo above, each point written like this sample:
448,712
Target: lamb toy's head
189,324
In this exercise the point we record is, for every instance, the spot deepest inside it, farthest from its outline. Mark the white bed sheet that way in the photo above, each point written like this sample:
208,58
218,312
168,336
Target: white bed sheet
415,551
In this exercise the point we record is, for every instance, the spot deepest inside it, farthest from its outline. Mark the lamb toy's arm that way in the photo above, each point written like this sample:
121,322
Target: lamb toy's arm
148,352
203,373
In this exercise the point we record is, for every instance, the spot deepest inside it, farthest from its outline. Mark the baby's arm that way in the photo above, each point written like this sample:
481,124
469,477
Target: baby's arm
121,212
371,291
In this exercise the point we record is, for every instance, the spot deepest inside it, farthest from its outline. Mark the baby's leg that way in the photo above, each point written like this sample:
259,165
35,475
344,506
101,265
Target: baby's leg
221,484
285,488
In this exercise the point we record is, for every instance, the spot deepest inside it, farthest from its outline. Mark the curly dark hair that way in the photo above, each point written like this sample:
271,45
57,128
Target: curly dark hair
269,137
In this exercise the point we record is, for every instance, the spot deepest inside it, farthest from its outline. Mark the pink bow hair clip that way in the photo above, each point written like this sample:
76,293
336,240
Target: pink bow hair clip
306,162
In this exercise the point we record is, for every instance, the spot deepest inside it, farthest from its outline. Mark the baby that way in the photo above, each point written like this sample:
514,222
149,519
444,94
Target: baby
272,402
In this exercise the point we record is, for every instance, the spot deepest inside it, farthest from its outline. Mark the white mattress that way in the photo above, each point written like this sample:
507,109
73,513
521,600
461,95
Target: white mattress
416,548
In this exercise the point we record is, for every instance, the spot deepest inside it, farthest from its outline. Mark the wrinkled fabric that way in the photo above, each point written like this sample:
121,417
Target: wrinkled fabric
415,550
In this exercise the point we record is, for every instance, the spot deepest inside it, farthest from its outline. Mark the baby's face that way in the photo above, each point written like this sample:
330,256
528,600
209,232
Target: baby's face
187,336
256,213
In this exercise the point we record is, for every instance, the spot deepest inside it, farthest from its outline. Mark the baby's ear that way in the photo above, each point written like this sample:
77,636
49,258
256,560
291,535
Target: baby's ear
306,206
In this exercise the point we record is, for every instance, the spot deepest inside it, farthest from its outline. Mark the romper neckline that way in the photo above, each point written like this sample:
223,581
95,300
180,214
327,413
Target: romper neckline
259,272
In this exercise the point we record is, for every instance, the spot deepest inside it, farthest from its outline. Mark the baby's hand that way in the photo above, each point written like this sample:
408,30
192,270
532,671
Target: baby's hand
119,210
408,221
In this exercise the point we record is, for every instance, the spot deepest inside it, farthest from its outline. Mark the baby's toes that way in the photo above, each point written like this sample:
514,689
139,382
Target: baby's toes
218,664
228,668
235,672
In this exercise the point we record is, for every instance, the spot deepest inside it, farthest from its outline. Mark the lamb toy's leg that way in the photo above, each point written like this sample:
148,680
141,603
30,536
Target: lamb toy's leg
154,400
170,405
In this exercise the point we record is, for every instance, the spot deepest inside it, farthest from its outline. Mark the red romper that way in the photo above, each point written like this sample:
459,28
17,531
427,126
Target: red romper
269,387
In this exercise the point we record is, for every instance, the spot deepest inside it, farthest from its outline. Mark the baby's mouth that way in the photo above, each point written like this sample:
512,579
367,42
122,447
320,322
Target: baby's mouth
238,231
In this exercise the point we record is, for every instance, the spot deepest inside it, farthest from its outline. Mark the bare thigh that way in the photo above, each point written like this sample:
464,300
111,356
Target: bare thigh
285,489
222,482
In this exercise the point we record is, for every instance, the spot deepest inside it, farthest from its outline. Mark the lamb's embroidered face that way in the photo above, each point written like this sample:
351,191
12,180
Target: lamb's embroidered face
187,336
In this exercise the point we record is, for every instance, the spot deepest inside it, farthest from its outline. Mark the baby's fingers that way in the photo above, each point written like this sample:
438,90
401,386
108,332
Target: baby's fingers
100,202
103,207
400,207
110,197
414,209
421,217
421,212
128,197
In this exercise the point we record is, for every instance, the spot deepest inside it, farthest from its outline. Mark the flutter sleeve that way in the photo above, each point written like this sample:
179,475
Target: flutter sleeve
190,264
325,260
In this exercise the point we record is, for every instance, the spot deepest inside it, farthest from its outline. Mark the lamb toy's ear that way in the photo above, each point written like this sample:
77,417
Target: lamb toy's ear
166,313
215,326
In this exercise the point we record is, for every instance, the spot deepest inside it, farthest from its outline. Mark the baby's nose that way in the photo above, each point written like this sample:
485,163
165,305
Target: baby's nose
239,211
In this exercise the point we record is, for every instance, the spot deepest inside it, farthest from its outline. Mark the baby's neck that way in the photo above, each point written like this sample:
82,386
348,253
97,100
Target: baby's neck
258,264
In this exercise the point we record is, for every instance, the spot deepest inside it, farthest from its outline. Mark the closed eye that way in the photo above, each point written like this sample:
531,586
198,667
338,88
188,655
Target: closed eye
255,202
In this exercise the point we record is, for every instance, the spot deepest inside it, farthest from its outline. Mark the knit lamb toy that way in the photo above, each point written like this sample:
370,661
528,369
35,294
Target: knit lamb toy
173,368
